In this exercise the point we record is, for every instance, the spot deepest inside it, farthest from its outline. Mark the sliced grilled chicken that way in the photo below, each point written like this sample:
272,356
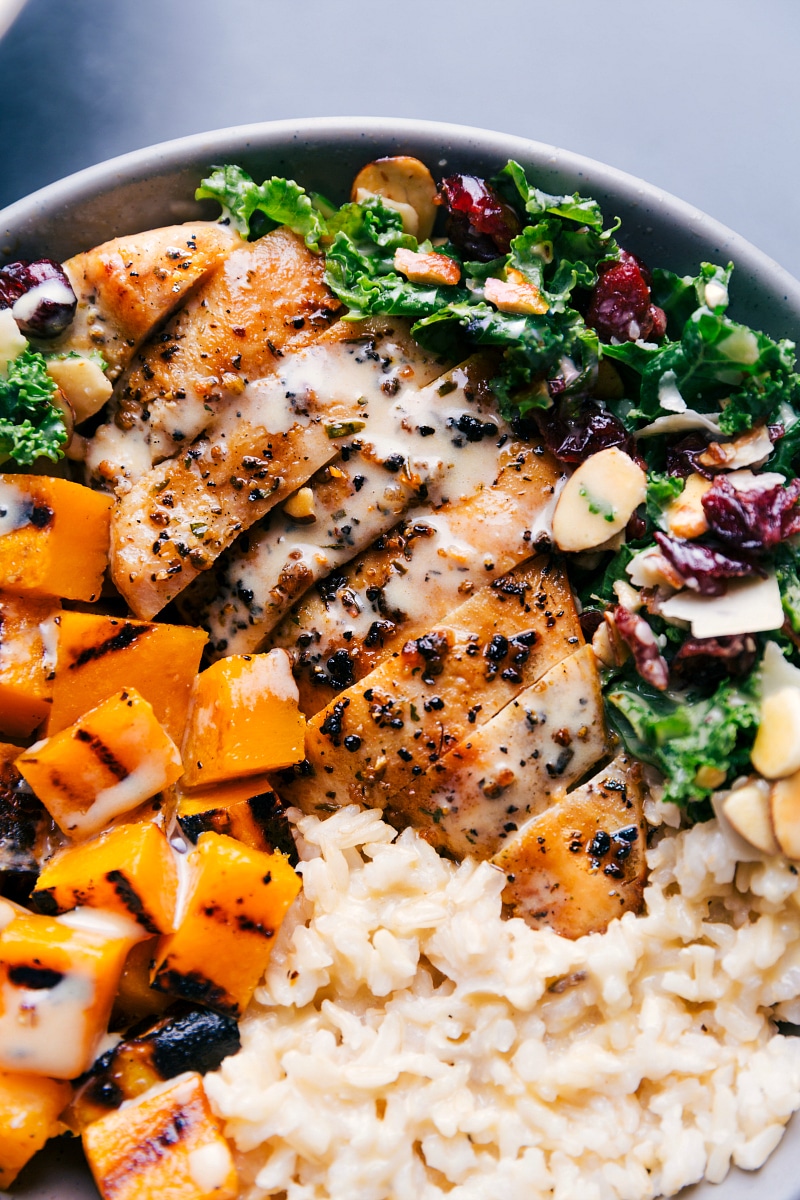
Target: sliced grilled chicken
174,522
582,862
514,766
418,573
265,297
386,467
394,724
128,286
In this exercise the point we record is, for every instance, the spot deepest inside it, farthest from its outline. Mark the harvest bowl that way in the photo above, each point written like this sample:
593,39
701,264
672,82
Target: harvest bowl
155,186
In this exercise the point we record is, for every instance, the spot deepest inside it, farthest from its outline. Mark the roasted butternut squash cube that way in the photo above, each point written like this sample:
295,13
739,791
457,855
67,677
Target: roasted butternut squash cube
166,1143
58,976
197,1040
129,869
98,655
245,719
252,814
27,634
236,900
53,537
29,1109
106,764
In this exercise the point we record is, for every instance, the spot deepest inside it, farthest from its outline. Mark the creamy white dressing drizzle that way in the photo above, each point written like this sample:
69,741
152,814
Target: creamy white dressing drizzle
283,560
148,778
15,508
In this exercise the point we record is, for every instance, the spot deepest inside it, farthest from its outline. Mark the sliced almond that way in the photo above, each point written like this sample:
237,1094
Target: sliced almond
685,516
751,448
426,268
785,813
598,500
748,811
776,750
515,295
405,184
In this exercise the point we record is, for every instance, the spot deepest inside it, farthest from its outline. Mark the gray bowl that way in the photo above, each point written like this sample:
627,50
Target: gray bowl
156,186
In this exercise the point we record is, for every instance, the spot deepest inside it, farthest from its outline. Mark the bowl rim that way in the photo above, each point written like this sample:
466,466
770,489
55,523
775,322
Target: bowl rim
163,158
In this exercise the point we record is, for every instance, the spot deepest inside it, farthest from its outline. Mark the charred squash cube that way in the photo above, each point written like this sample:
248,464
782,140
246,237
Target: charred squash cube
29,1109
26,666
129,869
194,1041
167,1143
247,810
54,537
245,719
108,763
99,655
58,977
25,830
237,899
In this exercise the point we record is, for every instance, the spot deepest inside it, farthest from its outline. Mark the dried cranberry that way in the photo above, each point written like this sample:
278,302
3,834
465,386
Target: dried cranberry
479,222
641,640
734,655
682,457
702,568
39,295
755,518
573,437
590,619
620,305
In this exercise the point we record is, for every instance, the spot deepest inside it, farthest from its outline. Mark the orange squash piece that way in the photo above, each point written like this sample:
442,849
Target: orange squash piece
247,810
167,1143
53,537
237,898
245,719
26,663
129,869
58,976
98,655
29,1109
104,765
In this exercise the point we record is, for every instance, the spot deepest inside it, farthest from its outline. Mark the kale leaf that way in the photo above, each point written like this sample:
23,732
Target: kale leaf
31,425
279,201
712,362
681,738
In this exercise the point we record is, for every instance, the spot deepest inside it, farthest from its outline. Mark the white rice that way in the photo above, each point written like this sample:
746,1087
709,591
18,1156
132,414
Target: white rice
410,1043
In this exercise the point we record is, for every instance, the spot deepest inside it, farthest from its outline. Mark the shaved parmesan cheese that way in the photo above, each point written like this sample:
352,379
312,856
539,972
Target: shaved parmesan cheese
680,422
745,481
669,396
748,606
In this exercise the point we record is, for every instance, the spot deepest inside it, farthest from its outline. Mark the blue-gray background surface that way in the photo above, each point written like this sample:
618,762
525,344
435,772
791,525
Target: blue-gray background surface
700,97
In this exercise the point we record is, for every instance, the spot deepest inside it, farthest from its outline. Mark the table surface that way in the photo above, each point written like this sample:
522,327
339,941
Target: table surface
697,96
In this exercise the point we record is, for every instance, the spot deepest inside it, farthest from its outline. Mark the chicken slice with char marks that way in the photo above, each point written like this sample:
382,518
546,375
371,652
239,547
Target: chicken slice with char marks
383,733
128,286
412,448
513,767
418,573
582,862
266,297
174,522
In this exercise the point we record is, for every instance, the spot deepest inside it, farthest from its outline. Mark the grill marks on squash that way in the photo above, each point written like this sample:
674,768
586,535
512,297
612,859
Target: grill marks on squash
127,636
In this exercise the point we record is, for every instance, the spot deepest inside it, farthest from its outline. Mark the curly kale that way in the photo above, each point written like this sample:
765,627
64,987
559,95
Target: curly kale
31,425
